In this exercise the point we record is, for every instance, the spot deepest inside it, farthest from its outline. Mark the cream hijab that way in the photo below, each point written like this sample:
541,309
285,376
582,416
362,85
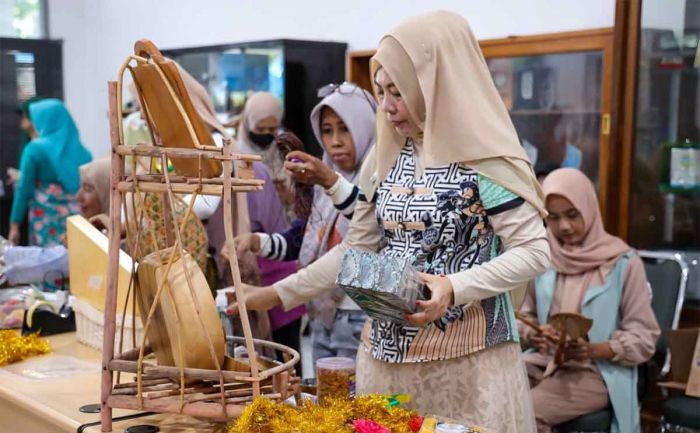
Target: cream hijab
437,65
98,173
258,107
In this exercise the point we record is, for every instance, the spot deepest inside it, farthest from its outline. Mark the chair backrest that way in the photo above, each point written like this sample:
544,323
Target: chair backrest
667,274
169,109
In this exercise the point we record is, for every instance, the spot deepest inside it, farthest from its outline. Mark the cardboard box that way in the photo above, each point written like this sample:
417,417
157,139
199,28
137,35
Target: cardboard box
87,265
685,358
693,387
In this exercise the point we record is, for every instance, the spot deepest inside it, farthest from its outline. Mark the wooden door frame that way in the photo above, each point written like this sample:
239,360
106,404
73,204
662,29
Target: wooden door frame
628,15
357,68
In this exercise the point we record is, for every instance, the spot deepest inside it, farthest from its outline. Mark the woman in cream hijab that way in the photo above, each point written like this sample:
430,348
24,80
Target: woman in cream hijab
448,186
260,121
93,195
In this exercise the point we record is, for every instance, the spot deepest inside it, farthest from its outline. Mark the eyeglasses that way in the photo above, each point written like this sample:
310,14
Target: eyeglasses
345,88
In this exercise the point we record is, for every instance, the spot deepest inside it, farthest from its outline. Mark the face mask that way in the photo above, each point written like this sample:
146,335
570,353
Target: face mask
262,140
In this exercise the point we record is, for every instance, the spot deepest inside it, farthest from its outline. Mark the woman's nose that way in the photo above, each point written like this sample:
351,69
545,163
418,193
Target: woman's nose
564,225
388,106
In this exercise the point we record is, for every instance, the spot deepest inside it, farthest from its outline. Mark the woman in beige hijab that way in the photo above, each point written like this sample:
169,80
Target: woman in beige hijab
262,116
93,195
260,121
448,186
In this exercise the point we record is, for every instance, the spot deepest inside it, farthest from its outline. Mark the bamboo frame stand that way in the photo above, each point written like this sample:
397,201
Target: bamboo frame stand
220,393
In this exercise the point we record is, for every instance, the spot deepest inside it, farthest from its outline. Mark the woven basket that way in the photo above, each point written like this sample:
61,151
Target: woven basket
89,324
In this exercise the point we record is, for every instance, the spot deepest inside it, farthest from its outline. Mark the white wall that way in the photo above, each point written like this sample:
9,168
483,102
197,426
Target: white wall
98,34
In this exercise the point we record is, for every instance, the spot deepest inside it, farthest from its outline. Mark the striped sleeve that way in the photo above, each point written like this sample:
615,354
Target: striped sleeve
273,247
344,196
283,246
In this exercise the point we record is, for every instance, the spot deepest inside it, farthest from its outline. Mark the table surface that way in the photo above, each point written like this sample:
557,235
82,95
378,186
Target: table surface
57,399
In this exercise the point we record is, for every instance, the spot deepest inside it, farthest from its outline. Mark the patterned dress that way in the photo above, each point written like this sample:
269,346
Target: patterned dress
152,229
467,365
48,212
452,204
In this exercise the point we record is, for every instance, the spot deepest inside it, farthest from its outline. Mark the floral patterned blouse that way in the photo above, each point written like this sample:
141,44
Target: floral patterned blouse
442,219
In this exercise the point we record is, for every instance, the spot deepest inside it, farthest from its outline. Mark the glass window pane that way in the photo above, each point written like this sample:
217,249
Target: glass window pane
231,76
554,101
22,18
665,189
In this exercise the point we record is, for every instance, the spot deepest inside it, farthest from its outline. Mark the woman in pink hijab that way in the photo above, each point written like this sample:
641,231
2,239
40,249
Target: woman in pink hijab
601,277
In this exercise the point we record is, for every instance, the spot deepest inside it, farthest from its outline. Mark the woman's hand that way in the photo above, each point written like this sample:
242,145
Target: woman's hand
310,170
13,236
241,245
441,298
100,222
256,299
244,243
582,350
12,176
543,341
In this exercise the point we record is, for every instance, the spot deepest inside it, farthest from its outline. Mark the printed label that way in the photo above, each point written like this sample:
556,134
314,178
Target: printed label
94,282
685,168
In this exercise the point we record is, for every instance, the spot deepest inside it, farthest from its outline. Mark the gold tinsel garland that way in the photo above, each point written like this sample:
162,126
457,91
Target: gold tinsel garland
15,347
335,415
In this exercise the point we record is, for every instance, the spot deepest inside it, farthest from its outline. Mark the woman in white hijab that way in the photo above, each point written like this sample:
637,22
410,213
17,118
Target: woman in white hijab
448,186
343,123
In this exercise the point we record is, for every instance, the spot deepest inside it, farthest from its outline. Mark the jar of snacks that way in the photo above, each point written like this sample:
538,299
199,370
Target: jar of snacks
335,377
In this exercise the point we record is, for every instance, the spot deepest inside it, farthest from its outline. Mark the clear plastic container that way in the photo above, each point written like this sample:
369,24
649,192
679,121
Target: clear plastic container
13,303
34,264
335,377
450,428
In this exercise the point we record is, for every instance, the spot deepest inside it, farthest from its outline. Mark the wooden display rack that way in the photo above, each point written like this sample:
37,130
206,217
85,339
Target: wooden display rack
219,393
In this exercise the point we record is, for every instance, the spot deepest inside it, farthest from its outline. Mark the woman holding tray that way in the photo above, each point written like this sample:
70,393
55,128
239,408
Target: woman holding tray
449,186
